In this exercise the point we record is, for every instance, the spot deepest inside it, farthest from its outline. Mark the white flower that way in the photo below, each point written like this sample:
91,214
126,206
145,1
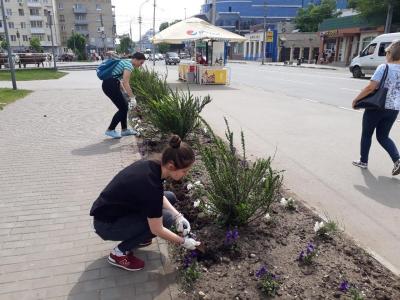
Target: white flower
263,179
205,130
189,186
284,202
136,126
139,121
267,217
318,226
208,208
196,203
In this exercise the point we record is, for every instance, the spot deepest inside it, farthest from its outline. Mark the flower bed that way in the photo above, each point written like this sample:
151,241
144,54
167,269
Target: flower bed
288,253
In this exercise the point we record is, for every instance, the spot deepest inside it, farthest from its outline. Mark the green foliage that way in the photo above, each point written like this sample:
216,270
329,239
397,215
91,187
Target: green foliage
35,44
308,19
163,26
190,274
239,192
268,285
163,48
376,9
77,43
126,45
176,113
355,294
3,44
329,228
147,85
8,96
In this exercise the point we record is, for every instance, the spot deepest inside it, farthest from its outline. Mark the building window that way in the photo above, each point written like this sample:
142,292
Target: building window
1,23
39,36
61,5
48,38
9,12
13,38
34,11
25,38
36,24
98,6
23,25
62,27
62,18
366,42
11,25
21,12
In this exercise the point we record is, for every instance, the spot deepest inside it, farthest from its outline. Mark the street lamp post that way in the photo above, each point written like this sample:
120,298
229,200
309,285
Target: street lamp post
264,32
73,38
50,21
10,60
140,24
19,40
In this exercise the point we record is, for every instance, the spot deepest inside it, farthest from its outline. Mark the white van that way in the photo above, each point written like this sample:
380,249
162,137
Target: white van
372,56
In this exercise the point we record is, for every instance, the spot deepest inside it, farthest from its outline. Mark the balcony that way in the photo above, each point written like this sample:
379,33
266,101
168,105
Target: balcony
33,4
36,18
81,22
84,32
38,30
80,10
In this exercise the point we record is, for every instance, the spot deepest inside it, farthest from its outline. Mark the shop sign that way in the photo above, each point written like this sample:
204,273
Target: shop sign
270,37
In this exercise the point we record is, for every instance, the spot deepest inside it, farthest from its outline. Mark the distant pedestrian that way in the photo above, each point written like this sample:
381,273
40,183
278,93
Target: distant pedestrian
133,208
115,86
382,120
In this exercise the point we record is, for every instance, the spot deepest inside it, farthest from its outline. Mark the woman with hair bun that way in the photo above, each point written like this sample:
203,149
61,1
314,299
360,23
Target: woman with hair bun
133,208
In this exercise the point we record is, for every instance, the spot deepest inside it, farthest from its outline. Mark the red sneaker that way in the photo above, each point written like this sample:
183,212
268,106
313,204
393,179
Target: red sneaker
146,243
128,262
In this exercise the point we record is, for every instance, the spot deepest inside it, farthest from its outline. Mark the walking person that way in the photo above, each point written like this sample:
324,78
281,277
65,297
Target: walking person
114,88
382,120
133,207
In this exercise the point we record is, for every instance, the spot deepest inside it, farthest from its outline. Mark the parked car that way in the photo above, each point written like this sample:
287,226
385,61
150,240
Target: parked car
159,56
372,56
184,55
172,58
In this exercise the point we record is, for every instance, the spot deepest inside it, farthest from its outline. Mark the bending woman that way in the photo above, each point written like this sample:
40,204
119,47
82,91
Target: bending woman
133,208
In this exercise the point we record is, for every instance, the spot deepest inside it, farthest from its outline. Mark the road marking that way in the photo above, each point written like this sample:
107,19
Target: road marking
352,90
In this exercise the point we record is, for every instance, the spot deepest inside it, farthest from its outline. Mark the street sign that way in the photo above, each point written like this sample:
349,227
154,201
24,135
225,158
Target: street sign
270,37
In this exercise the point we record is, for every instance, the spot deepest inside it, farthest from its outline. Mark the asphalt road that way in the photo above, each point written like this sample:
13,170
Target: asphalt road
303,117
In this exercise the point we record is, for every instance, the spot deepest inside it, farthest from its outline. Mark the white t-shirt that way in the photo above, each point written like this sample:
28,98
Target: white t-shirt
392,83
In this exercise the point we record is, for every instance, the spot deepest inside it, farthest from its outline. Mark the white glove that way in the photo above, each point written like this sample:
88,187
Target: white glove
190,243
182,225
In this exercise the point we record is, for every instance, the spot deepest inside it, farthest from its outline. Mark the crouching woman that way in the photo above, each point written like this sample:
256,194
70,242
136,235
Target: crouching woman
133,208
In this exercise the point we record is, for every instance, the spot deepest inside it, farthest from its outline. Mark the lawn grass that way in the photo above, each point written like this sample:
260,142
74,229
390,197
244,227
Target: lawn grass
9,95
35,74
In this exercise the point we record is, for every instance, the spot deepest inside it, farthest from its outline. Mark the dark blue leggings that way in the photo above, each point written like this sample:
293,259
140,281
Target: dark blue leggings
382,121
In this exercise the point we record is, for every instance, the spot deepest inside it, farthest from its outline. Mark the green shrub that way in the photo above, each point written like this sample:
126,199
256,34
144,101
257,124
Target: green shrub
147,86
239,192
176,113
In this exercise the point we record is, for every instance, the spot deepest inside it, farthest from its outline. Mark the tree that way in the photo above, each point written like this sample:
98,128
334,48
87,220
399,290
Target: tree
3,44
376,10
163,26
35,44
77,43
308,19
163,48
126,45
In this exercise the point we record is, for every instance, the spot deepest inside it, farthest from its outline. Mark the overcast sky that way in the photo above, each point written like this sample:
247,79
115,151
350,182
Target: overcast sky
166,10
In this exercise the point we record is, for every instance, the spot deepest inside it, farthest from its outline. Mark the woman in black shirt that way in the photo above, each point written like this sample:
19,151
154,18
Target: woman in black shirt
133,208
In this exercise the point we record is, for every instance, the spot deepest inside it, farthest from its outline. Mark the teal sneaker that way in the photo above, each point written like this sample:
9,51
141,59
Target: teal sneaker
114,134
128,131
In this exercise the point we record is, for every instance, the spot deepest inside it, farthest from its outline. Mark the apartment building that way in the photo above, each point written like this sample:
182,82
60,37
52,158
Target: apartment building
27,19
94,19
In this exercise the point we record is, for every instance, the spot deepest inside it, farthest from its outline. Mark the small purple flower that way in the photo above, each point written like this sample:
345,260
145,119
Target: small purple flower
187,261
235,234
193,254
301,256
310,248
261,272
344,286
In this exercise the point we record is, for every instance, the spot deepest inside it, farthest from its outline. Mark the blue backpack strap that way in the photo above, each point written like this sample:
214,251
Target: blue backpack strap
105,69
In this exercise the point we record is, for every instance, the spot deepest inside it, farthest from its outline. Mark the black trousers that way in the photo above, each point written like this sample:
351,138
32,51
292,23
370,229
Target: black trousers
111,87
132,229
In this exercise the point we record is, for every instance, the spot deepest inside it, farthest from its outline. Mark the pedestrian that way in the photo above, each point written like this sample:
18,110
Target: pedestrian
114,88
133,207
382,120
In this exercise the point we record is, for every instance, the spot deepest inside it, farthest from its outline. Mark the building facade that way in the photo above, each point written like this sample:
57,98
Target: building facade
341,39
94,19
27,19
238,16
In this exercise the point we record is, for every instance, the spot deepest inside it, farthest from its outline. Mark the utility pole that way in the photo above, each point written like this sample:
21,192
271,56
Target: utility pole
154,33
130,29
140,24
389,17
264,33
185,13
10,60
213,11
50,21
103,34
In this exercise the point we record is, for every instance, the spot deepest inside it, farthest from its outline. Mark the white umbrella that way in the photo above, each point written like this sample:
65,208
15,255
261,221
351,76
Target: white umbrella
194,29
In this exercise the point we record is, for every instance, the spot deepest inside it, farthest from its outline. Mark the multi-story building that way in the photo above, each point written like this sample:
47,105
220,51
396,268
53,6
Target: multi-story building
94,19
27,19
239,16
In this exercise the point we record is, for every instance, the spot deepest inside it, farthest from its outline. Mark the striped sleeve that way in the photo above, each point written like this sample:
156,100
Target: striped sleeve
121,67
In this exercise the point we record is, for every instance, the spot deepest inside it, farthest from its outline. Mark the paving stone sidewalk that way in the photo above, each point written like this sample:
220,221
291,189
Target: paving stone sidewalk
54,161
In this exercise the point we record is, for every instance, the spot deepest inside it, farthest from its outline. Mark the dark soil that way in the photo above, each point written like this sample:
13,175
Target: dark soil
275,244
